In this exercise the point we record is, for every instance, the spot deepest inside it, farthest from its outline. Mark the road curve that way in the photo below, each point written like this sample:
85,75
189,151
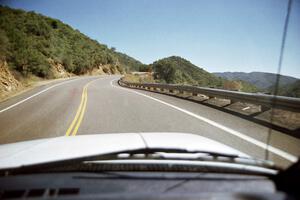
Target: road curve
96,105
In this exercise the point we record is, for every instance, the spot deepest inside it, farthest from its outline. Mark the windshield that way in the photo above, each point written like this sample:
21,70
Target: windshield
220,77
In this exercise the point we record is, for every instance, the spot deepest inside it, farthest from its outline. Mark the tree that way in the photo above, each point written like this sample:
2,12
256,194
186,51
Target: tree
31,61
145,68
54,24
165,71
4,45
232,85
68,63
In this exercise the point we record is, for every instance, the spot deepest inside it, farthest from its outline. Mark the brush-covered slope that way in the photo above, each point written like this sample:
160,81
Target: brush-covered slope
31,43
178,70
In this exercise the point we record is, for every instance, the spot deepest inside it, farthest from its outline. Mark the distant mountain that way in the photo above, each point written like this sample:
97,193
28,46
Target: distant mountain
261,80
178,70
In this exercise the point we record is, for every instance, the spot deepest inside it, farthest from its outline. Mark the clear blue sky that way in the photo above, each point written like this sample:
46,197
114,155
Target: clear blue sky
218,35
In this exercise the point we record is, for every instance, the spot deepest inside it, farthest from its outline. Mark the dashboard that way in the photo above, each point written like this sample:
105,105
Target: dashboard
138,185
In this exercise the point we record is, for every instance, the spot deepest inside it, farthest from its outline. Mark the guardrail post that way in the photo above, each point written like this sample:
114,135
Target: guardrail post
232,101
264,108
177,91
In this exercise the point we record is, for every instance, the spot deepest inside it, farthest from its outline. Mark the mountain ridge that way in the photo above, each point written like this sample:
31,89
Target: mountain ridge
262,80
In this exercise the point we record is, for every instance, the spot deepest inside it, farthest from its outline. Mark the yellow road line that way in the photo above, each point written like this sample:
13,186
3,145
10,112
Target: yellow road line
76,116
80,112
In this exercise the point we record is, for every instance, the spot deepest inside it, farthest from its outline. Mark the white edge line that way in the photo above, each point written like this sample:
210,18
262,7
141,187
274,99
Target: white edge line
36,94
274,150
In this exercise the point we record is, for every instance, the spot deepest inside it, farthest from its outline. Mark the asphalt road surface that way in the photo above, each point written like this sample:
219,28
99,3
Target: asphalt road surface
96,105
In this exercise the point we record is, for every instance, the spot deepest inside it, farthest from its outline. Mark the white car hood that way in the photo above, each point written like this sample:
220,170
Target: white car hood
61,148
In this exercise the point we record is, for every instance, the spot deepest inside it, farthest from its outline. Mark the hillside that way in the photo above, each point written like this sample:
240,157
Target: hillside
177,70
129,63
33,44
261,80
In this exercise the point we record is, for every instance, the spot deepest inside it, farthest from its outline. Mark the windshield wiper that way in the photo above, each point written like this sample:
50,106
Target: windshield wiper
174,154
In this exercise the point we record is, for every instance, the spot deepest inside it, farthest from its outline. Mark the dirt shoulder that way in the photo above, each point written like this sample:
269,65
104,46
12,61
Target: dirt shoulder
13,83
33,84
10,86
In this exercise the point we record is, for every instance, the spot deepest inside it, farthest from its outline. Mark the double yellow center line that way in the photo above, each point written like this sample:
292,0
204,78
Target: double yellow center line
73,128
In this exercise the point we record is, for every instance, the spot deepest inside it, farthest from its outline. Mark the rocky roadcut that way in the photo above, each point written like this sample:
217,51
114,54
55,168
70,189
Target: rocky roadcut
8,83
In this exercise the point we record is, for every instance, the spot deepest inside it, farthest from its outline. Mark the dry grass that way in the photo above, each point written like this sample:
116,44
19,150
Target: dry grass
283,118
28,84
147,78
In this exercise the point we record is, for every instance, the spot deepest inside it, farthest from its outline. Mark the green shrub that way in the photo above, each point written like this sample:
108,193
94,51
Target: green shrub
180,71
29,39
105,70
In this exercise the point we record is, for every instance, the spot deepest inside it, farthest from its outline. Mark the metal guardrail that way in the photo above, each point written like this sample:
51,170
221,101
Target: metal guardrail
265,101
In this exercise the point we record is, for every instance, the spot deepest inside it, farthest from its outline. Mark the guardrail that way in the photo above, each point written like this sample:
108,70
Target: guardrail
265,101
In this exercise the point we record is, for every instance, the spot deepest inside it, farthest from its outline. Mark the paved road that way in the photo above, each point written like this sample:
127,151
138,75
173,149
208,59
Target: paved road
95,105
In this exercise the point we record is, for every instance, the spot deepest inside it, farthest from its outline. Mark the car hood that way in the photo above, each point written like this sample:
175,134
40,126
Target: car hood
61,148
